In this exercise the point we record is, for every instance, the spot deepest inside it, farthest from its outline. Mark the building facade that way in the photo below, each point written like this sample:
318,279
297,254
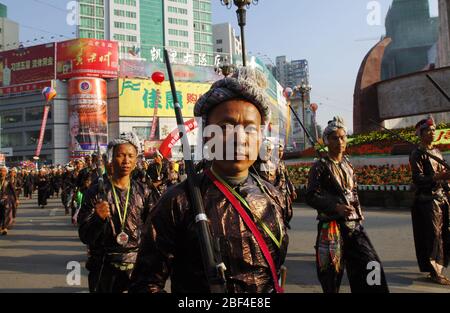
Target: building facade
226,42
9,30
144,27
292,74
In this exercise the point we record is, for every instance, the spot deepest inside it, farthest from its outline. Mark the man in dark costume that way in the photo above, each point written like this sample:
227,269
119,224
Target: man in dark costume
8,199
341,240
264,166
57,180
16,184
44,187
252,245
157,171
282,180
430,212
28,184
111,220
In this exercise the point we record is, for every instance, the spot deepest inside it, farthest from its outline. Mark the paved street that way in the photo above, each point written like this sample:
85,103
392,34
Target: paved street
34,255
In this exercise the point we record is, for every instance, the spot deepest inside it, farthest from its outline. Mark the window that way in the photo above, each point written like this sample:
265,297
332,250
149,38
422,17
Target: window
12,139
100,23
131,38
218,41
131,26
12,116
86,10
131,14
219,50
126,2
87,22
84,33
178,21
99,12
33,137
35,114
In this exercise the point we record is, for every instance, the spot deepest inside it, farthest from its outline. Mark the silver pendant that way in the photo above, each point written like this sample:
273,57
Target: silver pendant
122,239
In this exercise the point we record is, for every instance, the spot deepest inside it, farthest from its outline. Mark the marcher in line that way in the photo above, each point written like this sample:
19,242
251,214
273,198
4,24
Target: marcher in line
111,220
342,243
430,212
170,246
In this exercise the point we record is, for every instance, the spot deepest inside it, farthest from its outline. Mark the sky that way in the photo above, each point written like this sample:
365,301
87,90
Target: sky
334,36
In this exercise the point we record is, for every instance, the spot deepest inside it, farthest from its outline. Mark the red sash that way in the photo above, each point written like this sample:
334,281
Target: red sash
251,225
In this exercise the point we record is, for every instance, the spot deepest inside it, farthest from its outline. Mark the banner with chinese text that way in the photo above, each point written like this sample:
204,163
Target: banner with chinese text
26,68
87,57
137,97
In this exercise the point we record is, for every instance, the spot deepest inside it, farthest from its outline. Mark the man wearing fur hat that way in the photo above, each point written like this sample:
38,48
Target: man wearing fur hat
430,212
246,214
341,240
111,220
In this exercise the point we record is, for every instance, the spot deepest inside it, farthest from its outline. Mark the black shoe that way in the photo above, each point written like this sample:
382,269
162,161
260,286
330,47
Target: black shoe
439,279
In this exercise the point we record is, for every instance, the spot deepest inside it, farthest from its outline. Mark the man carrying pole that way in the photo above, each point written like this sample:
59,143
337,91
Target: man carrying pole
111,219
430,212
341,239
243,216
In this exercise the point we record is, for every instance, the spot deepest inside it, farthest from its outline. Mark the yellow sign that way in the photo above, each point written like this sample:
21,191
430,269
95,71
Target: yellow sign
138,98
442,137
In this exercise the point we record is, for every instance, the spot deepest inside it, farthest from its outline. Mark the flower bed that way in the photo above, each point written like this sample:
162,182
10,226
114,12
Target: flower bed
367,176
380,142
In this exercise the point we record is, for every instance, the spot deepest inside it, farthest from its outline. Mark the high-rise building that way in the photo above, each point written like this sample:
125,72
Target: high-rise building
152,26
143,27
203,39
413,33
291,74
92,19
111,20
226,42
9,31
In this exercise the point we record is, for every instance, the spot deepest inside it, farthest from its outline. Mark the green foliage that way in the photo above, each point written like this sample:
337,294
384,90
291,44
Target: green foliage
385,136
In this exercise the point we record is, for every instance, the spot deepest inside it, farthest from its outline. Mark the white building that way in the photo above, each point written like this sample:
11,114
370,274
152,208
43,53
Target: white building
111,20
225,41
124,26
140,26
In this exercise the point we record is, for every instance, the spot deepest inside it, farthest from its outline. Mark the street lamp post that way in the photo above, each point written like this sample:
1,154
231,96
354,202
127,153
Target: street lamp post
242,17
303,89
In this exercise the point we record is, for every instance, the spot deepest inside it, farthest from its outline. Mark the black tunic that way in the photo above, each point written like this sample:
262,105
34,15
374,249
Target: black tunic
430,212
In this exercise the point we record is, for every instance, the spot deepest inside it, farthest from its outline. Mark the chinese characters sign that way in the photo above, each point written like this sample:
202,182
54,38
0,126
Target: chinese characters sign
26,67
87,57
139,69
138,98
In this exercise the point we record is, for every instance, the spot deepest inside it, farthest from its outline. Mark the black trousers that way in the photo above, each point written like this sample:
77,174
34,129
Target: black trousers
108,280
360,260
